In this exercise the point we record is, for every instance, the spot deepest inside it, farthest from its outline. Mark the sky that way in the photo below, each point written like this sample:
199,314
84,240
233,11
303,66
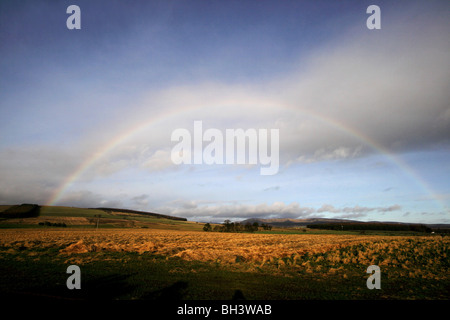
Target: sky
363,115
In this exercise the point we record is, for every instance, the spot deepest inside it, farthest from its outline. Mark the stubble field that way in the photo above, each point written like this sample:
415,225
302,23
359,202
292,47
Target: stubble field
154,264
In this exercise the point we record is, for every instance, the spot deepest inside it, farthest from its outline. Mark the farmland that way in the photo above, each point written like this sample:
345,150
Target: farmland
187,263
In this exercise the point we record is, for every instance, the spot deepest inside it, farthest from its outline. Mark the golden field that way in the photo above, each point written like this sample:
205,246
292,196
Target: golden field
423,257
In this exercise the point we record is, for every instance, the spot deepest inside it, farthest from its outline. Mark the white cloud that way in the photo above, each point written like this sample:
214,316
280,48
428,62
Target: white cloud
199,210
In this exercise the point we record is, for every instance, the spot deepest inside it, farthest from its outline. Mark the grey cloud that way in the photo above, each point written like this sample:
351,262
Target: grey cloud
32,174
274,188
364,94
241,211
395,207
327,208
354,215
353,98
89,199
277,209
357,210
141,201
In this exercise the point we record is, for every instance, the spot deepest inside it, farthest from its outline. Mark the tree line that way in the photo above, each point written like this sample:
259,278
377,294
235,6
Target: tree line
228,226
371,226
51,224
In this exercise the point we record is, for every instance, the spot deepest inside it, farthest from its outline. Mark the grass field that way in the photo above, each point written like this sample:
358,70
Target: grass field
179,263
87,218
132,256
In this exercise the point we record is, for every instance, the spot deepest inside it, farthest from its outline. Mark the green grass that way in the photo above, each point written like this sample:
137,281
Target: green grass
73,212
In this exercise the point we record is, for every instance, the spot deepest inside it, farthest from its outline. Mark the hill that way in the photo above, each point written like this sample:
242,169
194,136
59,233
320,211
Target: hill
151,214
344,224
20,211
30,216
286,223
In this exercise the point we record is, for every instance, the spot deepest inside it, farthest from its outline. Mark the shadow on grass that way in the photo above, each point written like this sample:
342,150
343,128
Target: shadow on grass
175,291
238,295
109,287
106,287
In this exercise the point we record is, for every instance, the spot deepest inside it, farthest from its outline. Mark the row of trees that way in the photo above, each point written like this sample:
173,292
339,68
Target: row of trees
371,226
51,224
229,226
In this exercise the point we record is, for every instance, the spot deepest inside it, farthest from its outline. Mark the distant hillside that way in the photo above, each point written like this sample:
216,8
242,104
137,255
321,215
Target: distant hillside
338,224
290,223
151,214
20,211
372,226
35,216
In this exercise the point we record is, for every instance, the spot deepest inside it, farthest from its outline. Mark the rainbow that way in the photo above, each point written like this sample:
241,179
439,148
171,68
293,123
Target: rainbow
121,138
103,151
